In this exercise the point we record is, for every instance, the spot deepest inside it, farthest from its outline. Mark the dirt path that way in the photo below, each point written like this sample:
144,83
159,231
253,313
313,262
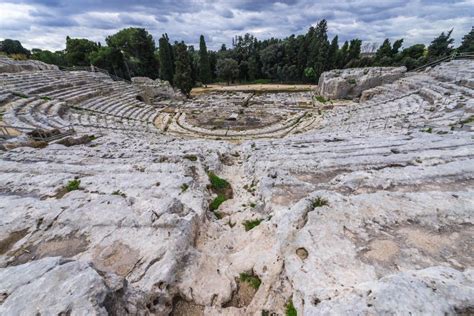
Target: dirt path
253,88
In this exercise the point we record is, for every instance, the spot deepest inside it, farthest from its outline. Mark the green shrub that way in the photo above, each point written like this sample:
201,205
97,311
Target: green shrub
184,187
46,98
290,309
250,224
352,81
319,202
73,185
251,279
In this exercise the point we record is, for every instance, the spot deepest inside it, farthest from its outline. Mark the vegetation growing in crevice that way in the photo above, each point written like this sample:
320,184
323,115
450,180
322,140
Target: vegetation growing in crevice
319,202
320,99
251,224
218,200
251,279
191,157
118,192
290,309
223,190
184,187
73,185
217,184
20,95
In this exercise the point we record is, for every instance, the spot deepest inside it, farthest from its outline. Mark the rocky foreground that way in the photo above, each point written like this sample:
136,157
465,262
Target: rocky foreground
370,212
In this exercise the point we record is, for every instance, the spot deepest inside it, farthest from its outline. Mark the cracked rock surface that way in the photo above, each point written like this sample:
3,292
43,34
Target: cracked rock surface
367,210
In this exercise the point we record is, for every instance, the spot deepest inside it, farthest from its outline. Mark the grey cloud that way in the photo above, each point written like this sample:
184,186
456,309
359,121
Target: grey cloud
49,21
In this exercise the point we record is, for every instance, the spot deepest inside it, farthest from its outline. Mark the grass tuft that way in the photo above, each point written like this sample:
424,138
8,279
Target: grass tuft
319,202
45,98
217,184
321,99
251,224
290,309
184,187
118,192
218,200
20,95
73,185
191,157
251,279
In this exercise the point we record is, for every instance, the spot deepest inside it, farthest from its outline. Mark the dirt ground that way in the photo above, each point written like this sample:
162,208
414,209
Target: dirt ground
254,87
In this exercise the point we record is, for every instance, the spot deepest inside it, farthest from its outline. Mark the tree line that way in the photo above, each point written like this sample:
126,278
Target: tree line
295,59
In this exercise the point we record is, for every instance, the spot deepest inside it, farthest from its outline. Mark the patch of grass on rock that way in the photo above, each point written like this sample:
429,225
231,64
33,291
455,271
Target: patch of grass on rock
217,184
184,187
251,279
118,192
251,224
320,99
290,309
218,200
73,185
191,157
319,202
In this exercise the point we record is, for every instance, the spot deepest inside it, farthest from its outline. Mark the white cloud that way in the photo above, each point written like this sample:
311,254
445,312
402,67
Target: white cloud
46,23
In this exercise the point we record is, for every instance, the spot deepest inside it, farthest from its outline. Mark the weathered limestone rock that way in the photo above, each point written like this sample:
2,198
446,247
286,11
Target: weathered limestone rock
10,65
56,286
350,83
365,207
155,88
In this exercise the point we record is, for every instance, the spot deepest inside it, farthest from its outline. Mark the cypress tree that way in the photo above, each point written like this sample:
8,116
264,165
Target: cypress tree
204,66
183,72
166,59
332,54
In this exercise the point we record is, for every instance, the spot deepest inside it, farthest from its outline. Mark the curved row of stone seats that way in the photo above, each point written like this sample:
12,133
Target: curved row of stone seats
414,102
458,71
35,113
94,92
318,161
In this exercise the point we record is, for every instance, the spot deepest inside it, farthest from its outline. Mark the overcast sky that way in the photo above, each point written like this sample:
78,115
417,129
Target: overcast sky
46,23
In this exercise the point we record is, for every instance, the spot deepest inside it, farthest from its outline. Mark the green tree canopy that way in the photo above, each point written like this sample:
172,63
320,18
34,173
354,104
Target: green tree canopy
55,58
110,59
228,69
138,48
441,46
78,50
10,46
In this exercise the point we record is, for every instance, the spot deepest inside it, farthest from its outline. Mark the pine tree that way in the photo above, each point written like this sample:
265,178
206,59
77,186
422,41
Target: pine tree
467,44
182,77
441,46
166,59
204,66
